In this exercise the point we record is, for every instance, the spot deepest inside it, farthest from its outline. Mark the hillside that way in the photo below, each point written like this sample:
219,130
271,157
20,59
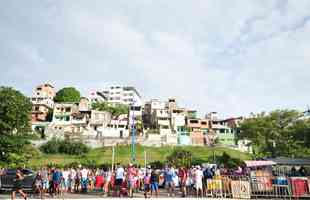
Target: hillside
122,155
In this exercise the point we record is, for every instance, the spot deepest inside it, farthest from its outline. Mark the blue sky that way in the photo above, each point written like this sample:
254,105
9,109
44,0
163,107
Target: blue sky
234,57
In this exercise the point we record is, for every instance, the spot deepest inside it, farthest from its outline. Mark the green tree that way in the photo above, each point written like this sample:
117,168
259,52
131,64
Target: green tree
15,112
115,110
278,133
67,94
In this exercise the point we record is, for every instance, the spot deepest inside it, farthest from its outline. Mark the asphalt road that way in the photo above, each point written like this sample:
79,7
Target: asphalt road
91,195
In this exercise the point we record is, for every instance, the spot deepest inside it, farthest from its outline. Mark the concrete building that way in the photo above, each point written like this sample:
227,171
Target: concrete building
225,135
122,95
194,126
118,127
178,119
42,101
99,122
150,107
63,112
161,119
97,97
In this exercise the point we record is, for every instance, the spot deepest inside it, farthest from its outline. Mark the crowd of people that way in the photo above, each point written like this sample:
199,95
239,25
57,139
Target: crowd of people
125,181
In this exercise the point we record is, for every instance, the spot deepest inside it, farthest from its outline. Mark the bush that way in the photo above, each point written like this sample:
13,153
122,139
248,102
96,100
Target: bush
64,147
228,161
180,157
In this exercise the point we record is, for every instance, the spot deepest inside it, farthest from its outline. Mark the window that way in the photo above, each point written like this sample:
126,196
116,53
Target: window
204,123
68,109
39,88
36,108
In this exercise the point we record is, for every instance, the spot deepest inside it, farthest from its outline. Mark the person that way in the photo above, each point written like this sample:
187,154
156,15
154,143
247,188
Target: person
154,183
57,177
45,180
77,180
71,177
65,182
182,173
84,179
146,183
198,181
293,171
107,183
17,185
119,177
38,184
50,181
131,174
169,180
302,171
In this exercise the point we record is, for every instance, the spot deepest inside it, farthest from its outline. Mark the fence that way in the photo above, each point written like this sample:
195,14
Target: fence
258,187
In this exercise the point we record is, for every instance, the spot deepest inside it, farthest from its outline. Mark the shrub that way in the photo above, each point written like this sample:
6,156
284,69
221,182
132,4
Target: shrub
228,161
64,147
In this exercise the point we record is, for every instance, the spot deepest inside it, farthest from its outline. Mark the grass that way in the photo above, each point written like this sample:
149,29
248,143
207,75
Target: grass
123,155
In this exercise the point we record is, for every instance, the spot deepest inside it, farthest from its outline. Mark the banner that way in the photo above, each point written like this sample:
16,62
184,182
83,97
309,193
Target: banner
241,189
214,184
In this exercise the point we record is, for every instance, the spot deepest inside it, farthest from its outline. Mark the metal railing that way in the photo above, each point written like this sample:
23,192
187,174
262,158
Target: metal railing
258,187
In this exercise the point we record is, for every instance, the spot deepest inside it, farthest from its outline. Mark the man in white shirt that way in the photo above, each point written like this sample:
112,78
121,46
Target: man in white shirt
198,180
119,178
84,179
65,175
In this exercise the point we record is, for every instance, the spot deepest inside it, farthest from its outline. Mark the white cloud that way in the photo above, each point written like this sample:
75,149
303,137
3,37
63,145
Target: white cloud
228,56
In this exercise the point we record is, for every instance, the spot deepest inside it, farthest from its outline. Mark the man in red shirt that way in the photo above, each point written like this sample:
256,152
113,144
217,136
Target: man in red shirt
183,177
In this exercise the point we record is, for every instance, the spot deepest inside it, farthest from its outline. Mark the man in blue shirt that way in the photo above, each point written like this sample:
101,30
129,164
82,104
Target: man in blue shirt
57,177
169,174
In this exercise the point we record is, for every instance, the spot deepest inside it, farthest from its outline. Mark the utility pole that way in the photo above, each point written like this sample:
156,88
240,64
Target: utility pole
113,158
133,136
145,159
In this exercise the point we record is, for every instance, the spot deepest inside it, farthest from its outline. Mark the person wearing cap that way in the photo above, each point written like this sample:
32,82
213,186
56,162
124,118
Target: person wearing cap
198,181
154,183
119,177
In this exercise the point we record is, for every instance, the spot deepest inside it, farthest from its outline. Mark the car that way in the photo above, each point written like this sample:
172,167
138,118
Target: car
7,179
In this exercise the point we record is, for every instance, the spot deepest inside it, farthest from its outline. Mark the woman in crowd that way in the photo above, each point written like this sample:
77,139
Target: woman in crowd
154,183
18,185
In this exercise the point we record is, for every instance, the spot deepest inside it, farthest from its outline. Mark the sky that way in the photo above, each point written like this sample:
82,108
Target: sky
233,57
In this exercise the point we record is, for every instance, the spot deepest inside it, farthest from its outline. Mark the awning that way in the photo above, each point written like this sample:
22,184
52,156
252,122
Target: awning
259,163
292,161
